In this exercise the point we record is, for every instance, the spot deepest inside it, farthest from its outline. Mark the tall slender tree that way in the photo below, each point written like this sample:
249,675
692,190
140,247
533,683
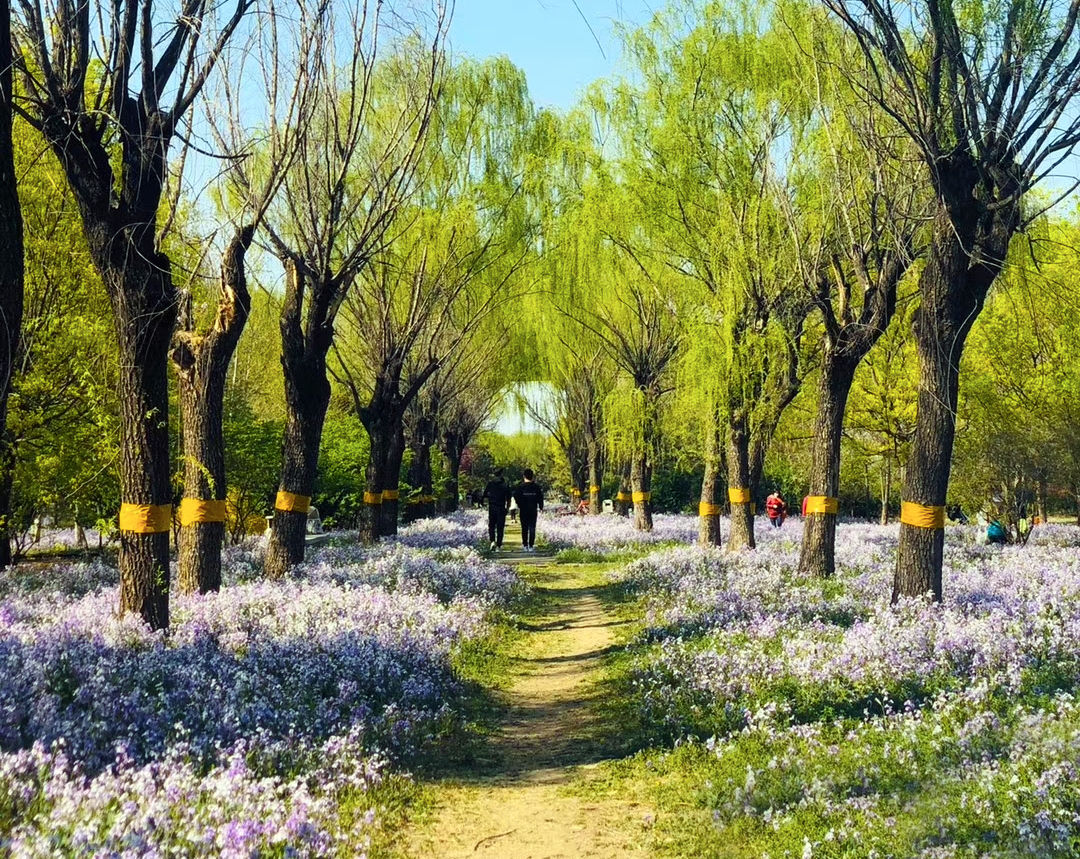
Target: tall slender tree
11,276
353,174
985,95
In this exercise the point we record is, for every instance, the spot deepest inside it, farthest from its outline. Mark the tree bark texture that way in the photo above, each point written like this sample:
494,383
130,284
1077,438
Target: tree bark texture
818,554
738,463
641,481
391,505
709,506
952,287
202,362
307,397
422,504
622,505
11,278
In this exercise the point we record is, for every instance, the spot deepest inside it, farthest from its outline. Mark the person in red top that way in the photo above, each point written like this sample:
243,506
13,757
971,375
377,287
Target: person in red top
775,509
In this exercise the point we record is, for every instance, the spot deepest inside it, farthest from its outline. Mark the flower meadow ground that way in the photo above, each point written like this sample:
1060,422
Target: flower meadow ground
812,718
259,724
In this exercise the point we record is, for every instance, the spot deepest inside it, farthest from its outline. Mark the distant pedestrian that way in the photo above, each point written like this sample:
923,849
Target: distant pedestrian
530,500
513,509
996,533
497,495
775,509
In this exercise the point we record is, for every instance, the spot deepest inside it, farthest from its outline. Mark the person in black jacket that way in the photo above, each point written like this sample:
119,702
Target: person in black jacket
497,495
530,500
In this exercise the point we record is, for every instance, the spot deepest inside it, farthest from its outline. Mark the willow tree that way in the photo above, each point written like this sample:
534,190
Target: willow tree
710,129
204,343
458,398
985,94
455,260
109,88
869,203
11,276
353,173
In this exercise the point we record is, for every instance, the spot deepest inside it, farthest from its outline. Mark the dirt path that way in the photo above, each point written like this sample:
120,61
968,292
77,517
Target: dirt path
516,805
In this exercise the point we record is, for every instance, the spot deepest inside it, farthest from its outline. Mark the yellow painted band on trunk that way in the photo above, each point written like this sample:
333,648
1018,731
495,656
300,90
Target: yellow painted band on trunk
640,497
575,491
391,494
145,518
421,499
373,498
196,511
706,509
290,502
922,516
739,496
594,489
821,504
623,496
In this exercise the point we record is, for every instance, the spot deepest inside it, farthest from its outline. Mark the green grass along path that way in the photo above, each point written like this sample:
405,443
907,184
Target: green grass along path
522,797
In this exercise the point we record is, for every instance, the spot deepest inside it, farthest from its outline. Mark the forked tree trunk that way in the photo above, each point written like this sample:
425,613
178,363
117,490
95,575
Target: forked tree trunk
307,397
818,555
709,504
738,464
11,278
202,362
952,288
641,483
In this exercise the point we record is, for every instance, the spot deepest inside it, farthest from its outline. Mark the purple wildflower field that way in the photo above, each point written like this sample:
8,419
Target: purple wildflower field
835,724
258,724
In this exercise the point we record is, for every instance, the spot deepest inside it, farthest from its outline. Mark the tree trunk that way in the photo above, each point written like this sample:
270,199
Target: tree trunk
709,505
738,462
594,477
624,496
422,504
80,537
886,491
453,448
641,481
307,397
11,278
371,512
144,311
391,481
202,363
952,288
818,555
1040,498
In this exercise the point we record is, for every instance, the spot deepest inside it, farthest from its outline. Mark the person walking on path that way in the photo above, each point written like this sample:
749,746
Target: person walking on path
497,495
530,500
775,509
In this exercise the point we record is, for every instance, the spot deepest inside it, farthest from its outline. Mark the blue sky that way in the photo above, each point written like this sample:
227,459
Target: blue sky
560,48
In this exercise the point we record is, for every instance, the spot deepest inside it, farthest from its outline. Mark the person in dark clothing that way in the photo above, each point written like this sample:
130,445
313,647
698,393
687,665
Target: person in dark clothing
497,495
530,500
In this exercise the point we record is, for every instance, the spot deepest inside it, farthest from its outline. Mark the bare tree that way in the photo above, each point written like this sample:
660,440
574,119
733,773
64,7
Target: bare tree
11,277
985,99
202,353
456,260
354,171
465,383
125,91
